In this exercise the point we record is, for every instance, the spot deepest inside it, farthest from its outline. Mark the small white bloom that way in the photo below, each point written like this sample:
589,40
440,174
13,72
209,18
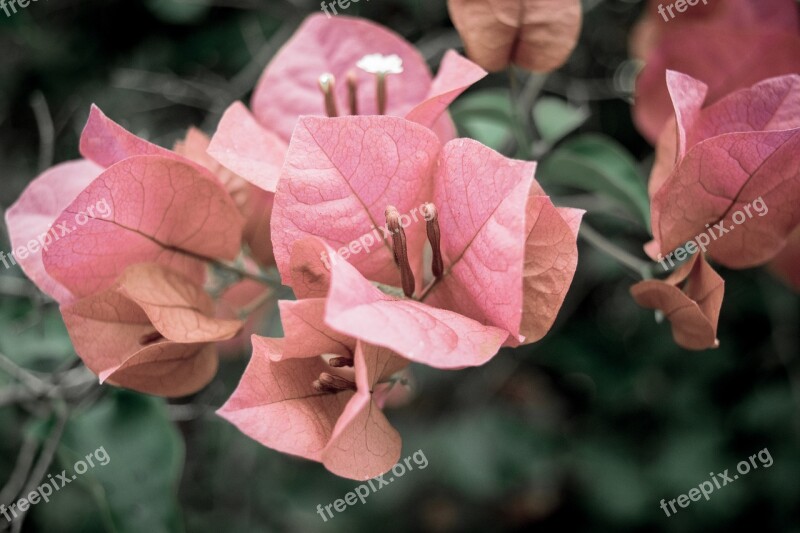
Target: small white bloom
379,63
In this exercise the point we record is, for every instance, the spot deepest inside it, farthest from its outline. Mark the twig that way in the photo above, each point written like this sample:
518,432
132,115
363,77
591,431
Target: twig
44,121
33,383
27,453
45,458
640,267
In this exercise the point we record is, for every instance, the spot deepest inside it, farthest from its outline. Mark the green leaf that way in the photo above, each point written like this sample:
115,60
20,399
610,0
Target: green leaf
485,116
596,163
137,489
555,118
33,338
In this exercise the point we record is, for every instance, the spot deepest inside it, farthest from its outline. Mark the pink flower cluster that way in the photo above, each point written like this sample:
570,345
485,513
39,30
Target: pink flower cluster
347,129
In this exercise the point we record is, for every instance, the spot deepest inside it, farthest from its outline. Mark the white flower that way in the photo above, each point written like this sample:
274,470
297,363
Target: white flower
379,63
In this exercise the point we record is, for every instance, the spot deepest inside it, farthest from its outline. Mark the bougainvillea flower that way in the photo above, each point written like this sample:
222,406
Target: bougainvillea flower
728,45
317,72
690,298
318,392
500,242
297,406
537,35
39,214
152,331
727,176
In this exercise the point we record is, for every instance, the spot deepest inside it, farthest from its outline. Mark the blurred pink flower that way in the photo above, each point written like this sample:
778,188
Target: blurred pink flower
727,45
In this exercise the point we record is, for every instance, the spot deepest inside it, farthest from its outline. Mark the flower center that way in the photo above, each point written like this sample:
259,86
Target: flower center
379,65
340,378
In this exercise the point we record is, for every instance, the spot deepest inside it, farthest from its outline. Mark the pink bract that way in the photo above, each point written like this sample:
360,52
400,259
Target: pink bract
727,157
152,331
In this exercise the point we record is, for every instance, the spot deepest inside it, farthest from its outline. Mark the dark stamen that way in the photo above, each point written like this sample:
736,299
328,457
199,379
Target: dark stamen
330,383
352,92
381,93
340,362
400,250
434,237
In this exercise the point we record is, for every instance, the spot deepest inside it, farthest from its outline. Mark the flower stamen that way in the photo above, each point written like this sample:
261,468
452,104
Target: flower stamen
434,237
327,84
400,249
330,383
381,65
352,92
340,362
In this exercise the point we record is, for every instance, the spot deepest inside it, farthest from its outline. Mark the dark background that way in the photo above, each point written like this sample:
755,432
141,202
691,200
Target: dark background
585,431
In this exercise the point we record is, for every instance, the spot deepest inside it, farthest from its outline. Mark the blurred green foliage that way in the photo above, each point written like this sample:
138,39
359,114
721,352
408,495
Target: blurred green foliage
585,431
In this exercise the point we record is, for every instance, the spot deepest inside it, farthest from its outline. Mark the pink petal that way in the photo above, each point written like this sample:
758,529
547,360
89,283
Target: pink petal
306,332
169,370
455,75
289,86
363,444
716,180
194,147
276,405
246,148
35,212
180,310
310,277
741,151
148,332
483,233
551,258
417,332
694,311
339,177
105,142
257,230
162,210
253,202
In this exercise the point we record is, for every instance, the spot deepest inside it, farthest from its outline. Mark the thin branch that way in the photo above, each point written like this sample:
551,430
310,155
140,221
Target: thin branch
44,121
45,458
27,454
33,383
640,267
